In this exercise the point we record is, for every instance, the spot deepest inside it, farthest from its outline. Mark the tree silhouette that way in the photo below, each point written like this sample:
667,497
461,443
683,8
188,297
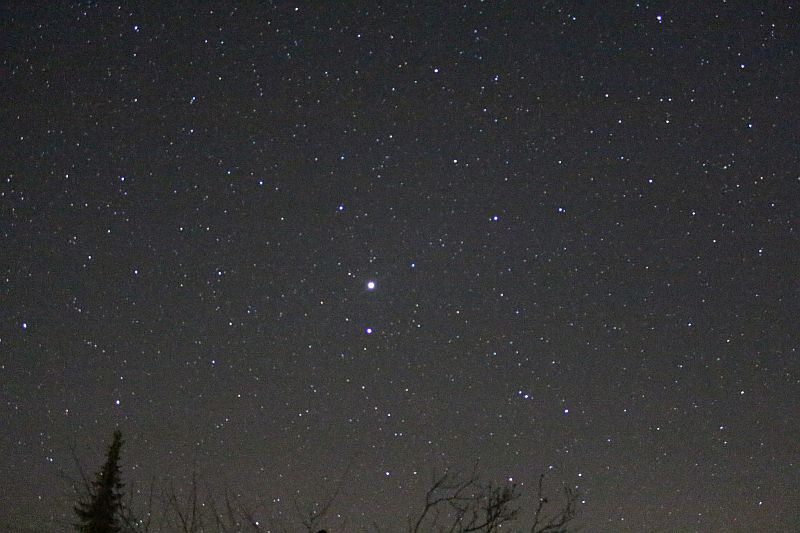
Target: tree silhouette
101,509
453,504
465,505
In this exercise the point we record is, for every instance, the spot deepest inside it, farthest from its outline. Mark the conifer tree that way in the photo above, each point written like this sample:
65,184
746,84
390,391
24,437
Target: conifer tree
101,510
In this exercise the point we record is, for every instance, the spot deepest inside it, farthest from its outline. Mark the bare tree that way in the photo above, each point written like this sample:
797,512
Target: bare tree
196,509
455,504
132,523
186,511
555,522
312,518
195,513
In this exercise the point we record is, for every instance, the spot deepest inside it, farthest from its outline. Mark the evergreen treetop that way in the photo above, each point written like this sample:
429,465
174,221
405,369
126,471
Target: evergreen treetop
101,510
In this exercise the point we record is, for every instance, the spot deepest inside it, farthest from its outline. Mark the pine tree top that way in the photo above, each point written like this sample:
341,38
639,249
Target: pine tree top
101,508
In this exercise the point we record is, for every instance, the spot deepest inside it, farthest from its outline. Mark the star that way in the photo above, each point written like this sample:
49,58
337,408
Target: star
555,267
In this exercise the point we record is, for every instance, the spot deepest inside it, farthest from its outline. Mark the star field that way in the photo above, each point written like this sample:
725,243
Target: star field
295,244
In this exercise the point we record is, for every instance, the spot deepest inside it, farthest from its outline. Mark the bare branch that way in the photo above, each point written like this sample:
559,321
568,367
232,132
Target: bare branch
311,521
455,505
556,522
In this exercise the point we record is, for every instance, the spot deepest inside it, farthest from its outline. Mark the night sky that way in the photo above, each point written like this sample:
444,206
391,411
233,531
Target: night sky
291,243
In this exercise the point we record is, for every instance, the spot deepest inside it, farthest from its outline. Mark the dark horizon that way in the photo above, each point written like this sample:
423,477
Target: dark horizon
284,242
